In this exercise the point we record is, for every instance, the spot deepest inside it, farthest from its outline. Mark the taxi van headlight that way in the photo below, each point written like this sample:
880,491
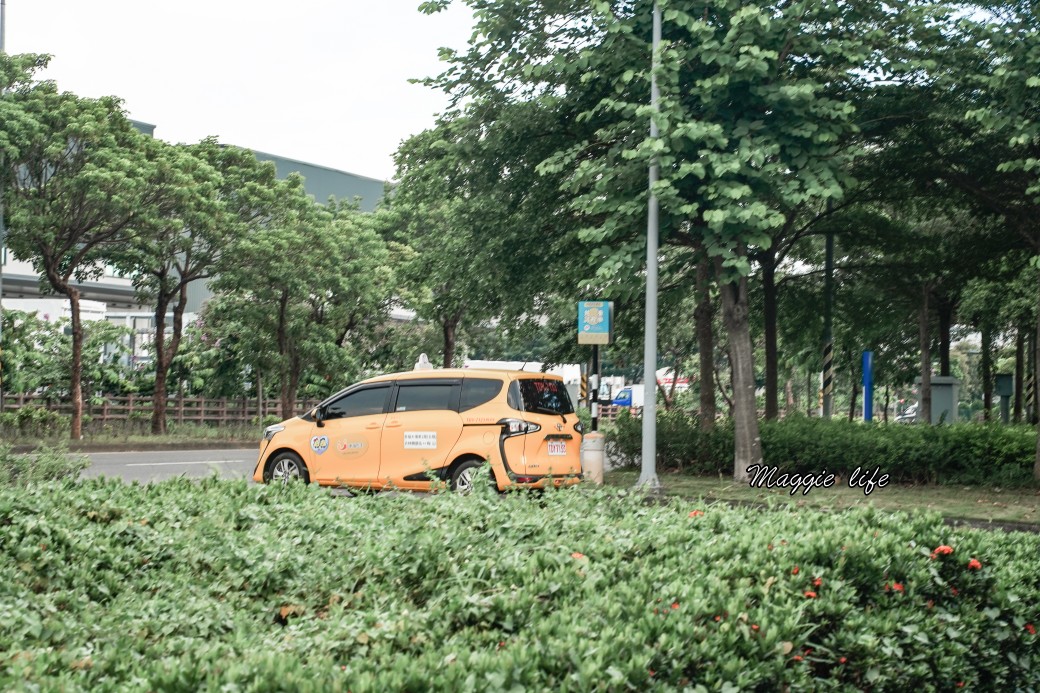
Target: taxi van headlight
271,430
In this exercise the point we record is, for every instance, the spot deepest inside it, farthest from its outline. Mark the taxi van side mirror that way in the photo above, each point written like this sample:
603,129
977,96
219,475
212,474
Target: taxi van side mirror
319,417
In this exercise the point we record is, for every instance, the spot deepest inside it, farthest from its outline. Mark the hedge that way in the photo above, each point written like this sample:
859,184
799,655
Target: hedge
46,463
961,454
215,586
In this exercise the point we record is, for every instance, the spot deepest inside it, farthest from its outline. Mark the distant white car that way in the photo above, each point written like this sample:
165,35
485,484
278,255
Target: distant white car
909,415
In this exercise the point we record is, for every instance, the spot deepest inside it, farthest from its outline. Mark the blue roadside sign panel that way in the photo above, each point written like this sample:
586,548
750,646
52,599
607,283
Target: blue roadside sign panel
595,322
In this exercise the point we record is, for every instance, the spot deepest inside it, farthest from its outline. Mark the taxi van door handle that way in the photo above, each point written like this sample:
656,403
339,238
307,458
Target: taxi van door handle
372,426
393,424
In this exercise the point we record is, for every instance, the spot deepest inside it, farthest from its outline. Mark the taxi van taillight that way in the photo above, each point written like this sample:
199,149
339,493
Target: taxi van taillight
517,427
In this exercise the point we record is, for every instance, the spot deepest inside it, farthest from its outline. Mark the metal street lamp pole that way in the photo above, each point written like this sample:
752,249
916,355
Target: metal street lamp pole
648,476
3,229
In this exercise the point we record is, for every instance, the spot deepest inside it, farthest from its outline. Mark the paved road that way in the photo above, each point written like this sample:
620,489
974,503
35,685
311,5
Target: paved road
155,466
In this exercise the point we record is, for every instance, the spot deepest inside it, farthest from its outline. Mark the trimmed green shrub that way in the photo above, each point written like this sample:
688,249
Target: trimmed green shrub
46,463
962,454
32,421
229,586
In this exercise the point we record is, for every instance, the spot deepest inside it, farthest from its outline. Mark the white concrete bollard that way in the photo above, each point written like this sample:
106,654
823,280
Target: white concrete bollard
592,457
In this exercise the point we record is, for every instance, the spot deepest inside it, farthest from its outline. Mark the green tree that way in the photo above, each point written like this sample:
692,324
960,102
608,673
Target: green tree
756,102
80,181
230,192
302,292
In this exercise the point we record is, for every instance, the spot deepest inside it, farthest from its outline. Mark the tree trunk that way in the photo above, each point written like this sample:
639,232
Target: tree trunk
167,353
747,443
769,310
162,367
260,397
76,430
987,372
449,329
704,315
1036,363
852,403
884,412
289,396
789,401
945,310
1020,355
282,336
924,401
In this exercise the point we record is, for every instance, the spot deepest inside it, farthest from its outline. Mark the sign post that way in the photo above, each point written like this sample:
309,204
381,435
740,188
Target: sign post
595,327
868,385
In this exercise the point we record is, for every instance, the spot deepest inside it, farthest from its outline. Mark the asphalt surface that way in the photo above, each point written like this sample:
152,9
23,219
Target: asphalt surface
156,466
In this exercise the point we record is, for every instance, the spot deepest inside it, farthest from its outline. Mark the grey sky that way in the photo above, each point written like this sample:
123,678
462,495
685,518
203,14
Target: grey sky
316,80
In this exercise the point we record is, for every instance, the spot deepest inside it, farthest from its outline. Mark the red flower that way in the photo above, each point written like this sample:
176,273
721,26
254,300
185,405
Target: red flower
842,660
817,582
675,605
897,586
1031,629
651,672
696,513
797,658
810,595
953,591
501,644
942,550
794,571
577,556
754,627
974,564
718,618
960,684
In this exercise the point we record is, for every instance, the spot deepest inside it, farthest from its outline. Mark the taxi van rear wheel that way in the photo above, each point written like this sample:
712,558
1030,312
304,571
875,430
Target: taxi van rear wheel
285,467
465,476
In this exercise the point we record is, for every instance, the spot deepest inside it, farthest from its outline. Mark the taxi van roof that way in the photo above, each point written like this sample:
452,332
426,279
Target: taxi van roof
460,373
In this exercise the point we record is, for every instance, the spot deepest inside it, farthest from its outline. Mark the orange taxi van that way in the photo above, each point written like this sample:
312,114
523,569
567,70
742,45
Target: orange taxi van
396,430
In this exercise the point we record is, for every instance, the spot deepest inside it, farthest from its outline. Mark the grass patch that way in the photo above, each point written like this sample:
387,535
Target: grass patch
968,502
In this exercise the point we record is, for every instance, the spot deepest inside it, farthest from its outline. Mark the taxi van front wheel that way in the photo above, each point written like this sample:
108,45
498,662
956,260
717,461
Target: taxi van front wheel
285,467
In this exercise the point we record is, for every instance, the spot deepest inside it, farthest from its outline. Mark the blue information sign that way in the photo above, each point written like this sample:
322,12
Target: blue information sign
595,322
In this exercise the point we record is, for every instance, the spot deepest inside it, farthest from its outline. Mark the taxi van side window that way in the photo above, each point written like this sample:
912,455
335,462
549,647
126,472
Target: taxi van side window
425,397
358,403
477,391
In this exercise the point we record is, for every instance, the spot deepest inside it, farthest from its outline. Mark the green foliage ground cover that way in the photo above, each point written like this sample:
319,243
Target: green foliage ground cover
960,454
184,586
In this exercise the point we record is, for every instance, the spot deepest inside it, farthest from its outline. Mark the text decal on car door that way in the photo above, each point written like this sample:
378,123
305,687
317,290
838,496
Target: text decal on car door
420,440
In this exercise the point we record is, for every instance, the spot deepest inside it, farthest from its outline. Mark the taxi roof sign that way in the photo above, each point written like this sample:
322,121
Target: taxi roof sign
595,322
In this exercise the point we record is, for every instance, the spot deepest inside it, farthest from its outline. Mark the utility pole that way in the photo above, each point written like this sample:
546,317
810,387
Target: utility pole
3,229
648,476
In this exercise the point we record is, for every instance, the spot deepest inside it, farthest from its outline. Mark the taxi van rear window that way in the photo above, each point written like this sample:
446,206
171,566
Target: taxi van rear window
542,396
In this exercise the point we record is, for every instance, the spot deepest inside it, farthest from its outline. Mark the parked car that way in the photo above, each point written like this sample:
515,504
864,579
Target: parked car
397,430
909,415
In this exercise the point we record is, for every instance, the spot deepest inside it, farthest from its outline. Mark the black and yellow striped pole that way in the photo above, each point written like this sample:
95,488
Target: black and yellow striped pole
828,379
1030,397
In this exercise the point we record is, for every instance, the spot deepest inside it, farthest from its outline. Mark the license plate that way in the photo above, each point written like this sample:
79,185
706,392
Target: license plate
557,447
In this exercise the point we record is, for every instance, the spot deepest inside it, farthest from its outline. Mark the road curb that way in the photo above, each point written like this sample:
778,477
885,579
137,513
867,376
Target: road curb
145,447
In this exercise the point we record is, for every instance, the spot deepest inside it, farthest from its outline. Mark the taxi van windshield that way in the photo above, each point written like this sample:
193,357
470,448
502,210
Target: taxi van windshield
540,396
